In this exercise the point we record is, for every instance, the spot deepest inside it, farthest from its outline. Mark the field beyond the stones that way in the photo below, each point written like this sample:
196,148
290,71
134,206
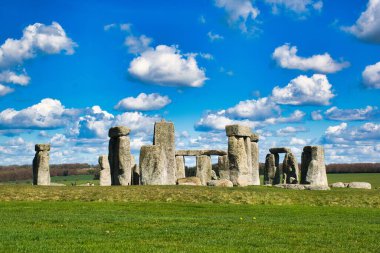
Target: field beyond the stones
190,219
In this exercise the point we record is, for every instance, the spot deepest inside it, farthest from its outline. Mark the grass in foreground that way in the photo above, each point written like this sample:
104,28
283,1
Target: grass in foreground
175,227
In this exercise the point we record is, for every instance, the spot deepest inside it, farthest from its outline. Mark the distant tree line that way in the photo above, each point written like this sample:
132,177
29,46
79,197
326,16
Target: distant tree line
24,172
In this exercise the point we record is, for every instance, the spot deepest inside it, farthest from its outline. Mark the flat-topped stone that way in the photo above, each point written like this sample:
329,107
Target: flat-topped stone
118,131
200,152
254,137
360,185
42,147
238,130
280,150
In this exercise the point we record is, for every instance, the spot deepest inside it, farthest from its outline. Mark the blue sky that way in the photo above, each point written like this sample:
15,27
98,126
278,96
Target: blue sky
298,72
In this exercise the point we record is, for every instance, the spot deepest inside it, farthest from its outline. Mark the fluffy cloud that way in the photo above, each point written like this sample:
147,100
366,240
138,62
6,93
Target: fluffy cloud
290,130
367,27
8,76
143,102
137,44
47,114
4,90
368,113
297,141
303,90
166,66
254,109
316,115
286,57
342,133
214,36
371,76
239,12
49,39
297,6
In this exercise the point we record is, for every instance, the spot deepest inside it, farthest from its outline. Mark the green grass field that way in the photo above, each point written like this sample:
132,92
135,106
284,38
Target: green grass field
189,219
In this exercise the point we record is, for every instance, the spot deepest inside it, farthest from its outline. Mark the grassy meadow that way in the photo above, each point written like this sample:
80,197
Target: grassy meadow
189,219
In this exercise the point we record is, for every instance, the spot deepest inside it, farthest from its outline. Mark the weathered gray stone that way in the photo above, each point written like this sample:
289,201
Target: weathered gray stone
220,183
278,173
338,185
313,169
247,147
135,170
213,175
41,169
238,131
119,156
204,168
279,150
189,181
153,165
290,169
255,163
42,147
118,131
269,169
303,187
180,167
105,171
224,170
56,184
200,152
238,161
164,136
254,137
360,185
317,187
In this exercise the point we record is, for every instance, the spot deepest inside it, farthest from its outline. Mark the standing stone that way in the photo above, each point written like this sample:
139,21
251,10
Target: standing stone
41,169
290,169
269,169
278,173
105,171
135,172
119,155
180,164
204,168
313,169
164,136
239,154
255,159
223,167
153,165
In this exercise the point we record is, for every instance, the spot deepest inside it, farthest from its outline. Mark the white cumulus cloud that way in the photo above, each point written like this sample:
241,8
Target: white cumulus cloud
371,76
143,102
367,27
239,12
8,76
286,57
166,66
303,90
368,113
137,44
259,109
4,90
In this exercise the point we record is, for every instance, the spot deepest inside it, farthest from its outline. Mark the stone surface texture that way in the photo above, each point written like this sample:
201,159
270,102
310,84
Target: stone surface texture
255,162
269,169
41,169
189,181
119,156
180,167
360,185
238,131
224,170
220,183
105,171
153,165
197,152
204,168
313,169
290,169
279,150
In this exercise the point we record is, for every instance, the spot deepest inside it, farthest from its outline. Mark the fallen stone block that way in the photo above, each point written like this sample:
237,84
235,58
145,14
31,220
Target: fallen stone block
220,183
360,185
189,181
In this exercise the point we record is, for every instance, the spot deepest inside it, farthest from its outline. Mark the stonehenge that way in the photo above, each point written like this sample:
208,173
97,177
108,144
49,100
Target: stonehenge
41,169
105,171
161,164
313,169
119,155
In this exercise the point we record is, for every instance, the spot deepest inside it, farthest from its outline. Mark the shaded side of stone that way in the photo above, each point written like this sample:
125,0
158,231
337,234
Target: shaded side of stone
41,169
224,170
238,161
105,171
269,169
290,169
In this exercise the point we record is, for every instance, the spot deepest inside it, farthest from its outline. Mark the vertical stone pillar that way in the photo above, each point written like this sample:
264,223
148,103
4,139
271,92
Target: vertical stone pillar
164,136
290,169
41,169
278,173
135,172
239,154
204,168
255,159
180,167
224,170
153,165
269,169
105,171
313,166
119,155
